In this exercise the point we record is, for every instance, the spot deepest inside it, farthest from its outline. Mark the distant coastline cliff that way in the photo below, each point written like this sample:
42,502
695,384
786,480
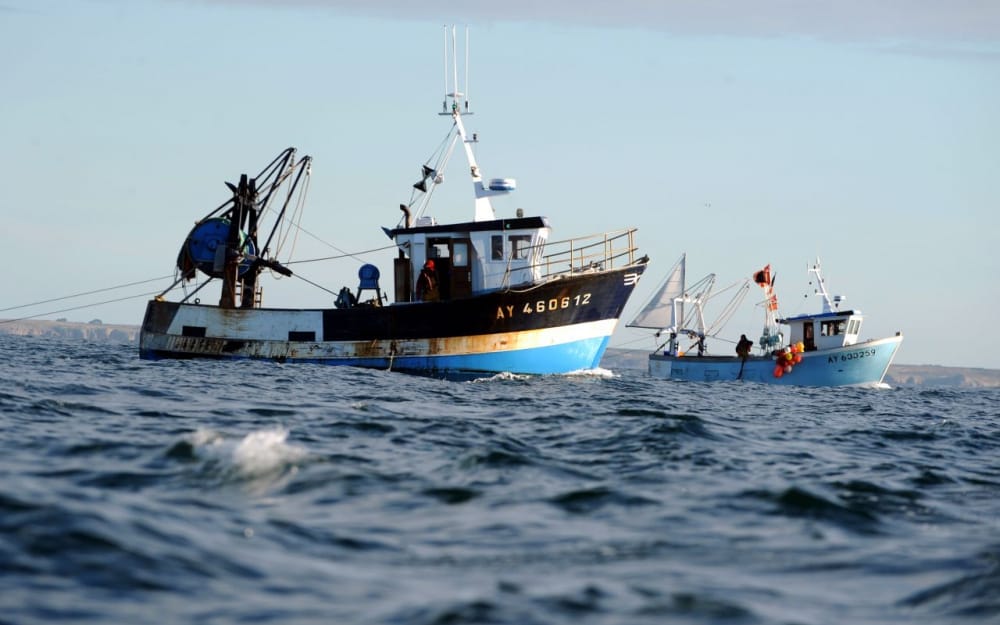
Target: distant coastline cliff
95,331
898,376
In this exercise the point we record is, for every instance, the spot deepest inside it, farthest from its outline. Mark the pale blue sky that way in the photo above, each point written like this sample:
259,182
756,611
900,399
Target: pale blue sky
741,133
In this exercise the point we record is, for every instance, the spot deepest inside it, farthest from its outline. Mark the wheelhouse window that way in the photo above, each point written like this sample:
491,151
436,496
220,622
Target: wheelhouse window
520,246
439,249
496,247
460,254
833,328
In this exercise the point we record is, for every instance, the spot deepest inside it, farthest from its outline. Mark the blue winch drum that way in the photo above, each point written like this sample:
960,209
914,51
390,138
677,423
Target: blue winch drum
207,238
368,276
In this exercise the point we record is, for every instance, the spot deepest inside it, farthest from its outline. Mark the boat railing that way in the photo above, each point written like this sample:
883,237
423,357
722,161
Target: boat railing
587,253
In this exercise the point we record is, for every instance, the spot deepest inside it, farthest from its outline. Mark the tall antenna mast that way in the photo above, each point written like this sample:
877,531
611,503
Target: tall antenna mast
444,106
466,69
454,90
454,64
829,304
459,107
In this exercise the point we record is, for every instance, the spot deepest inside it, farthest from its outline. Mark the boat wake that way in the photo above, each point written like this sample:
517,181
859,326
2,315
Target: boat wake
596,372
502,377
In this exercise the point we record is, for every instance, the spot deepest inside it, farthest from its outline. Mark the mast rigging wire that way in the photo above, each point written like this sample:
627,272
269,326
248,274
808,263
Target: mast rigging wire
55,312
56,299
343,254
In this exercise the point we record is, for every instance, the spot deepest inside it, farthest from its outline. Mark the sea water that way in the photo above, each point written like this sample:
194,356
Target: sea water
255,492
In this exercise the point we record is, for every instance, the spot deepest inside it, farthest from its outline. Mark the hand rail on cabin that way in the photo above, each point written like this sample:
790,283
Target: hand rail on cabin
588,253
581,254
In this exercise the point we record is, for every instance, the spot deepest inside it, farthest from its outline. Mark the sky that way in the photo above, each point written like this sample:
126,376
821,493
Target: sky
864,133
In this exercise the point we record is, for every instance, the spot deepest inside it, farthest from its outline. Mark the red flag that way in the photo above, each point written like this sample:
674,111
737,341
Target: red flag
763,277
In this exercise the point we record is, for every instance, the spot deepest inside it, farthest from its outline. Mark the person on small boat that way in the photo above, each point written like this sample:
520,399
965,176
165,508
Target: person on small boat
743,347
427,286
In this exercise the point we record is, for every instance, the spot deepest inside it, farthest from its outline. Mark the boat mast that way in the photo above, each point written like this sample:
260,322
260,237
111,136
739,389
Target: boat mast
670,298
821,288
244,209
460,106
770,338
695,295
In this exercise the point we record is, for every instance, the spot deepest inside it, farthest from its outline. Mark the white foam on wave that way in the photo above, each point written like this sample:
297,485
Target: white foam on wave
204,437
266,451
259,453
502,376
596,372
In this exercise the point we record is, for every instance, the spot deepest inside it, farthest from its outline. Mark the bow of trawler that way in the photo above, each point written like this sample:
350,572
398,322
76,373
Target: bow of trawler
469,298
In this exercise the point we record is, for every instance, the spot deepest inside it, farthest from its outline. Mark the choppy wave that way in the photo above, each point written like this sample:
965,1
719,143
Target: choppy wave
207,492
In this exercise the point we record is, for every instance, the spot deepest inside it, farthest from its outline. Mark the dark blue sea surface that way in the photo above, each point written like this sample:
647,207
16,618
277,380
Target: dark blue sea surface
255,492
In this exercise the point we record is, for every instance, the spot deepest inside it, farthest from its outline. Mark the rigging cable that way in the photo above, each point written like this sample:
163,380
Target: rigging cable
343,254
294,220
303,167
730,309
440,148
187,295
54,312
440,156
318,286
57,299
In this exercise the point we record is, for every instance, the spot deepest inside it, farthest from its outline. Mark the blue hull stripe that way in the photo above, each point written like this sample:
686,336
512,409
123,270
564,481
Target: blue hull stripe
583,354
863,364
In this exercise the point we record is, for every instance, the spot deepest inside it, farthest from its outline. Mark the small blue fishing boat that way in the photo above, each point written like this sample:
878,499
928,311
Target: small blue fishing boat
470,298
819,349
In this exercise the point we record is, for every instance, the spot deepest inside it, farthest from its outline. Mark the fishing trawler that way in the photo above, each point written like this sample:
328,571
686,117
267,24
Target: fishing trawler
820,349
470,298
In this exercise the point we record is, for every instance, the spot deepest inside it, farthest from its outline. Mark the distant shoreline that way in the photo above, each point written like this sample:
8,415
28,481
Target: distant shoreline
94,331
615,358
